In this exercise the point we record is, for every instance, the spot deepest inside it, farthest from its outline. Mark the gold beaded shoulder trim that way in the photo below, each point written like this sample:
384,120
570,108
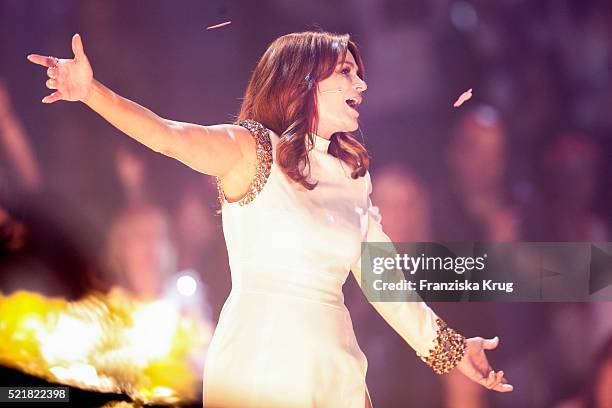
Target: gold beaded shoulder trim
448,351
264,162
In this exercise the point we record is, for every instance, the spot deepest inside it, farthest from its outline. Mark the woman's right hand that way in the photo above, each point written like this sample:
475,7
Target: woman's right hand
71,78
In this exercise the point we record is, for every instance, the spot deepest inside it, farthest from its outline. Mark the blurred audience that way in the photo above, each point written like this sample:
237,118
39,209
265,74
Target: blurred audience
597,389
570,177
140,250
131,172
31,218
404,202
200,244
599,393
148,249
16,146
474,203
21,176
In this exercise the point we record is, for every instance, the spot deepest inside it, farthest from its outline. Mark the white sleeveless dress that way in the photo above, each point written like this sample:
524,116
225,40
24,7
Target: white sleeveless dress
284,337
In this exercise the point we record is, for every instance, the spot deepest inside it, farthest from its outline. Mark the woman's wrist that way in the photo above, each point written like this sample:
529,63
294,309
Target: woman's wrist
93,88
449,349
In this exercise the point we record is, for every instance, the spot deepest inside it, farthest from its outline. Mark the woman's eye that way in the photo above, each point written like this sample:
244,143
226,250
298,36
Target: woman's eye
345,71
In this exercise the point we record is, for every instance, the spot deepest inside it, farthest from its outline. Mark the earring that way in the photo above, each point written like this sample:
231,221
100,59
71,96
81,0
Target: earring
309,81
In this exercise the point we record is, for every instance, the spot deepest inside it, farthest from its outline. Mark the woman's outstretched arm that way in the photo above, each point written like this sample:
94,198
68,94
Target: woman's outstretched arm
214,150
438,345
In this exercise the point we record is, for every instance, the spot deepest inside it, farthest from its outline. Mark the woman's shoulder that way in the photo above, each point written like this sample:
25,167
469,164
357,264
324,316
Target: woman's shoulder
259,133
246,181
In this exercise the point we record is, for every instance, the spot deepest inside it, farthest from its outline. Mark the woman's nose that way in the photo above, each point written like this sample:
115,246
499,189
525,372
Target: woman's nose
360,85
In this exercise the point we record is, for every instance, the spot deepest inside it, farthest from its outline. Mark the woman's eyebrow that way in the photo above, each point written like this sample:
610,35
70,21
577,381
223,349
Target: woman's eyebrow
346,62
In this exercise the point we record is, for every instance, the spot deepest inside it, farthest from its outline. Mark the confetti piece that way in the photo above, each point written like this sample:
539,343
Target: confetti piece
212,27
464,97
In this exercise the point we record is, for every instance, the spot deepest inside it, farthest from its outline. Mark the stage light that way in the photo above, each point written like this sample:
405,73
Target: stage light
186,285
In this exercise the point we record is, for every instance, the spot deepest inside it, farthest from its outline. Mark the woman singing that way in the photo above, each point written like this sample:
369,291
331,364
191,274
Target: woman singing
294,190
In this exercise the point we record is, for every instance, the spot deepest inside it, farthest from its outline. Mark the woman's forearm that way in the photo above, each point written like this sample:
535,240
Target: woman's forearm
129,117
218,150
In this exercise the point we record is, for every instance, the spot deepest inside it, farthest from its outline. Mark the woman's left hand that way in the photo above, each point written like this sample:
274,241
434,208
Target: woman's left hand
476,367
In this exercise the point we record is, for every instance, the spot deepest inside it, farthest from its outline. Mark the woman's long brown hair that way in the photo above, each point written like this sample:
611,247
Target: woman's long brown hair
281,95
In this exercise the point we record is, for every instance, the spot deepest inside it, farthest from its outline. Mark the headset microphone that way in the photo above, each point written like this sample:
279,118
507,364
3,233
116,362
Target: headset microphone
332,90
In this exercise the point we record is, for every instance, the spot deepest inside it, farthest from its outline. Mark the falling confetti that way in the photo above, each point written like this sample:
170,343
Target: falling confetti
464,97
212,27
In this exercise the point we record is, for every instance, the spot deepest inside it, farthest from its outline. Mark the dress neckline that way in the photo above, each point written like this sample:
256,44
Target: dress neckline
321,144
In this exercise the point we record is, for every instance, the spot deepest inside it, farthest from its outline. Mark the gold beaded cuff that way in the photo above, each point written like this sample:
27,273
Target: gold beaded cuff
448,351
264,162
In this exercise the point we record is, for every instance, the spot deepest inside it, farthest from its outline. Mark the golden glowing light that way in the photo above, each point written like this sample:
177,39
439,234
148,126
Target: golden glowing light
106,343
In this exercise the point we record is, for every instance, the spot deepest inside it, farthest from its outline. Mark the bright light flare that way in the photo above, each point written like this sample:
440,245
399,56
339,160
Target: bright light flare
105,343
186,285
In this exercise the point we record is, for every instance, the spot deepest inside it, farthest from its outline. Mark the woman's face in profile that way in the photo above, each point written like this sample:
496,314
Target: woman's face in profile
338,99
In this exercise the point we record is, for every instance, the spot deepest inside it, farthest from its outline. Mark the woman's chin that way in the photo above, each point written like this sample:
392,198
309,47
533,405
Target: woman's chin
350,126
354,127
347,127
